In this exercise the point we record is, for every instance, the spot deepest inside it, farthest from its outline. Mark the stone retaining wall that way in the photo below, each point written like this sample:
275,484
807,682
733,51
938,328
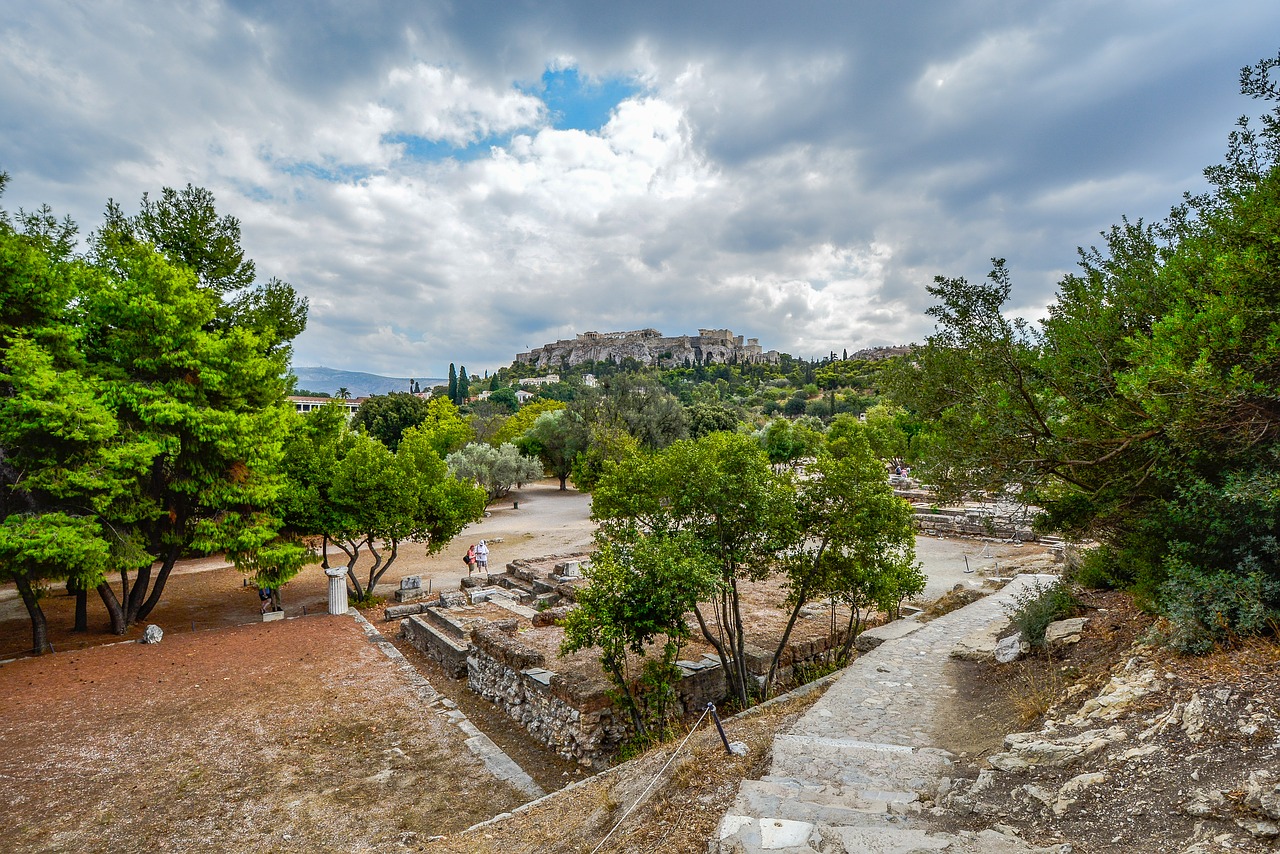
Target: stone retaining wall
511,675
450,652
579,722
948,522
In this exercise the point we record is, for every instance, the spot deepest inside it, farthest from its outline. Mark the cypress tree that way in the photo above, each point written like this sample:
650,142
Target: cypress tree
453,383
464,385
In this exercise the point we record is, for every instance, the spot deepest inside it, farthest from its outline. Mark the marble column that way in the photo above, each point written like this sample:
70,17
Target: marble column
337,589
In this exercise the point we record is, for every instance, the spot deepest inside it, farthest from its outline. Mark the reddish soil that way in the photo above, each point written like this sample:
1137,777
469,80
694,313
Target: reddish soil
293,735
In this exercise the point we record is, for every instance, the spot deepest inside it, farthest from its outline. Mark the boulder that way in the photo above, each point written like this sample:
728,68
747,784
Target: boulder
1064,632
1010,648
979,645
152,634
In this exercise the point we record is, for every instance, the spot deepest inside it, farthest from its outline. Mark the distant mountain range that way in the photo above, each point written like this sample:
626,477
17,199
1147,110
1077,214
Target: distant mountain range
357,383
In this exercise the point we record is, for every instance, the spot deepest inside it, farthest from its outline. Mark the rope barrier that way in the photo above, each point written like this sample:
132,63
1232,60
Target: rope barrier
656,778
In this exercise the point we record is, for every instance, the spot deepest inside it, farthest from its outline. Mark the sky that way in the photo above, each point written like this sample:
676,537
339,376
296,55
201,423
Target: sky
462,181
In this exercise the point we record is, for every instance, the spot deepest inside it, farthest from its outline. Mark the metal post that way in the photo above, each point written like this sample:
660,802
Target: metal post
711,707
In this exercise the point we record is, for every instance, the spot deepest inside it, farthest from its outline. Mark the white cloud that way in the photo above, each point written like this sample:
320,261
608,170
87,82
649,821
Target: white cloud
798,175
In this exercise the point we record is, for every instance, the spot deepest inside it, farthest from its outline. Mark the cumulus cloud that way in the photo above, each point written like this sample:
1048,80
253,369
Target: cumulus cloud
422,172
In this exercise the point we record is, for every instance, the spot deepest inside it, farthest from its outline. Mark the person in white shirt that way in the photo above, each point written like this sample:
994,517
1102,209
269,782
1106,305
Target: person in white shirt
482,557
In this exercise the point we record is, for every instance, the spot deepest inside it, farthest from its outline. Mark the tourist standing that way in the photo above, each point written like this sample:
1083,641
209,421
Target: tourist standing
470,559
482,557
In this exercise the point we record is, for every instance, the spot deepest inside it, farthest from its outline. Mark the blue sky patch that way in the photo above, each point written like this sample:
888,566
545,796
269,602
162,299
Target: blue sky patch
580,104
333,173
422,148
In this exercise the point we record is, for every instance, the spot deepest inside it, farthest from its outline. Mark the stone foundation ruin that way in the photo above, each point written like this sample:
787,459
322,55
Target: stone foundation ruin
500,633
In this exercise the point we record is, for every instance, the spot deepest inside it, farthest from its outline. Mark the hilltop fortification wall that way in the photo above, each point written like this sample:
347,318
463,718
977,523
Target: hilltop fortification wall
651,348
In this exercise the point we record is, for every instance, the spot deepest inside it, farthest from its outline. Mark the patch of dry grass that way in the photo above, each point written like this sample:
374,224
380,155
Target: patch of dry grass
679,815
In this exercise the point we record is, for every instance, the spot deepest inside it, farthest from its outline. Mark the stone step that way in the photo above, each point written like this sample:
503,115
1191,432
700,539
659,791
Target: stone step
794,802
859,765
740,834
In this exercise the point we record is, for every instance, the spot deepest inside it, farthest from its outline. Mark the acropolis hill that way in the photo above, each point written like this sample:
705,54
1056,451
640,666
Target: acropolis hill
650,347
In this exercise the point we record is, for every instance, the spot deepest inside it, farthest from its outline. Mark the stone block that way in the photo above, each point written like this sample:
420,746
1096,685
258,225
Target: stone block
873,637
1064,632
551,616
272,616
396,612
410,594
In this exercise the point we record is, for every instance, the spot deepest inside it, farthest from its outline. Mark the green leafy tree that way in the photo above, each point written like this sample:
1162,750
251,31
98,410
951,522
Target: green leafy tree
495,470
314,443
638,594
193,355
381,500
40,547
707,418
1143,411
387,417
638,404
162,420
556,438
66,471
721,491
607,446
858,543
518,424
506,398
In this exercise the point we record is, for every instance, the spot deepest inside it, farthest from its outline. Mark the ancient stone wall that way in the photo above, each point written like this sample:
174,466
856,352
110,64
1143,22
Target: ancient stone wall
949,522
510,675
649,347
439,646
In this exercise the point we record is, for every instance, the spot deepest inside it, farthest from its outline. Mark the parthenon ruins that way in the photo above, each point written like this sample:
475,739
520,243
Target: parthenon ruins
650,347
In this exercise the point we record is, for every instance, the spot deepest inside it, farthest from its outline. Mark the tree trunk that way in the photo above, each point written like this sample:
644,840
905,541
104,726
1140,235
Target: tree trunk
158,588
114,610
82,610
855,622
563,478
324,552
782,644
39,626
352,552
132,599
720,651
632,706
379,568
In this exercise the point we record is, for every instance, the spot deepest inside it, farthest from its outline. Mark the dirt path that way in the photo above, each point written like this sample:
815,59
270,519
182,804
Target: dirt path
206,593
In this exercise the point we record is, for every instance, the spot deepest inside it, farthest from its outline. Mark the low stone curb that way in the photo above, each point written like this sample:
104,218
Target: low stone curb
494,758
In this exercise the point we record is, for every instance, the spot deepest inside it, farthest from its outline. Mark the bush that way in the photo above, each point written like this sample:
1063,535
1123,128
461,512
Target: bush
1205,608
1098,569
1033,610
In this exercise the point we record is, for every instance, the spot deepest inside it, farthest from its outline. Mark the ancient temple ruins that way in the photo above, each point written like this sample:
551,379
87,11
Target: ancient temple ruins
651,348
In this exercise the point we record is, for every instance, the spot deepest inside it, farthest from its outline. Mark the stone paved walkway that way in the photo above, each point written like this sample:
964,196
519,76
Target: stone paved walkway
850,775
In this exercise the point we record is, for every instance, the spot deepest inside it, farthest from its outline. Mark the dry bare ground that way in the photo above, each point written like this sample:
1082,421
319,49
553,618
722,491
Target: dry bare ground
613,810
297,735
1193,754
